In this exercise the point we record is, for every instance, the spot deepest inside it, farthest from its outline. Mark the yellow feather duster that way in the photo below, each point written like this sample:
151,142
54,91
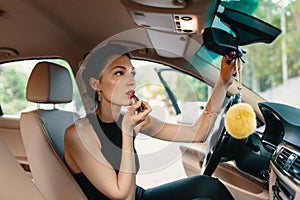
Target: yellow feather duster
240,120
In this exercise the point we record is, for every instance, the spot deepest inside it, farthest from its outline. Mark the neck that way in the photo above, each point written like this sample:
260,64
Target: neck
108,113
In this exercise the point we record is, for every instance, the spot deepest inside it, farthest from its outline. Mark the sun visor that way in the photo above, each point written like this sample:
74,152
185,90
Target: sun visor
242,29
170,45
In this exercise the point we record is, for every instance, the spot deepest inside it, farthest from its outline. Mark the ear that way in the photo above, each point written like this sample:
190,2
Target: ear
94,83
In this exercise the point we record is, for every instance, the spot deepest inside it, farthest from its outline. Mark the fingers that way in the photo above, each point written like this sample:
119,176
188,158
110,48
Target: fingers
228,70
135,116
228,66
228,61
140,108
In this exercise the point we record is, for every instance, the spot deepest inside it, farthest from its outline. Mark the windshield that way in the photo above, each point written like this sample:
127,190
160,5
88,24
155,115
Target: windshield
271,70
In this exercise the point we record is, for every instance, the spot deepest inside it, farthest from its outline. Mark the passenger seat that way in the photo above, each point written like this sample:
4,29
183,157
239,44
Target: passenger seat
14,182
43,132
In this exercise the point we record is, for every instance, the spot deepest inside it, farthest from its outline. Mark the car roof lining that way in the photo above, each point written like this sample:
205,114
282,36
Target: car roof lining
71,43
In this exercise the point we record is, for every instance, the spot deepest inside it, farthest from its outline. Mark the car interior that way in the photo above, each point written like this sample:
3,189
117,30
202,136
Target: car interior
176,47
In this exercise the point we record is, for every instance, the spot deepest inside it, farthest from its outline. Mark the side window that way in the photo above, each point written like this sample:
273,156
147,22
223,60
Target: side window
181,96
13,81
175,97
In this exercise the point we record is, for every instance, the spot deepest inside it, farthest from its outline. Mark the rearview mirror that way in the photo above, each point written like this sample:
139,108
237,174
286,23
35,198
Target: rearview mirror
220,41
247,30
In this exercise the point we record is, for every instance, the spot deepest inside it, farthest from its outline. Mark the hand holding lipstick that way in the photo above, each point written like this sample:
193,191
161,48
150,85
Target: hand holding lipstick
137,114
134,99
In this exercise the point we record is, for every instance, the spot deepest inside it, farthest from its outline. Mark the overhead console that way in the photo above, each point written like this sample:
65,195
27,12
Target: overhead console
177,16
162,4
170,23
176,23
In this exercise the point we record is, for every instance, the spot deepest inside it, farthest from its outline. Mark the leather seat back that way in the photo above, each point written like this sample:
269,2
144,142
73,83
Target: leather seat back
43,132
14,182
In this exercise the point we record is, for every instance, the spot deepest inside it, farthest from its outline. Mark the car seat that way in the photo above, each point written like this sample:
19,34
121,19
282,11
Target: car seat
14,182
43,131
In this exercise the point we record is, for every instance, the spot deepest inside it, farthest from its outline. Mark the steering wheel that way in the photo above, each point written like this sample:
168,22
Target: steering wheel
218,141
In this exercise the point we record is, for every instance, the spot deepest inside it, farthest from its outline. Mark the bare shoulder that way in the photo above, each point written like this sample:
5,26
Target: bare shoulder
80,127
82,135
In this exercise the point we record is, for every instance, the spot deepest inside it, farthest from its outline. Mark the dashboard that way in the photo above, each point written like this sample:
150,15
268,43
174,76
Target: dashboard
282,136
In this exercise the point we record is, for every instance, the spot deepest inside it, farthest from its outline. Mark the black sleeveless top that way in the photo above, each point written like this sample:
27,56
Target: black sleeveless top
110,136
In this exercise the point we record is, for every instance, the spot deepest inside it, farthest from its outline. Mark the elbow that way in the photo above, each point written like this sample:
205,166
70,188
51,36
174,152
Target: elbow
197,133
200,138
202,134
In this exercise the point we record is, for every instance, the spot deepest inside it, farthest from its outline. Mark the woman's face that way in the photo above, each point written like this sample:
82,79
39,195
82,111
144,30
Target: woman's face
117,82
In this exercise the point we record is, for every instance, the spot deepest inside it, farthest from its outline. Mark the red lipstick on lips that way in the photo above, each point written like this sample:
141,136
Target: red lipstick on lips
135,99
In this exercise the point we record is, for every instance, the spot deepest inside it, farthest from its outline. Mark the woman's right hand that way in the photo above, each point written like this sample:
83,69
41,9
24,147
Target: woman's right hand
134,117
228,71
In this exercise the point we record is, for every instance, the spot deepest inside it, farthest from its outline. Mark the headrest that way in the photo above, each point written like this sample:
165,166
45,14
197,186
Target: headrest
49,83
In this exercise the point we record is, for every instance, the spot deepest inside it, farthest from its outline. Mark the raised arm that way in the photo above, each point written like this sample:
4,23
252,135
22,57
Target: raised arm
197,132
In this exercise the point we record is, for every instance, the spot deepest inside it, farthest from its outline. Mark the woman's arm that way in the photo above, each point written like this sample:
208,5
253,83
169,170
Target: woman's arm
90,161
83,153
197,132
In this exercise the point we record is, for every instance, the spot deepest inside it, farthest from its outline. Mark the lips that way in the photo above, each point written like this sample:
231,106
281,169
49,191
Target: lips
130,93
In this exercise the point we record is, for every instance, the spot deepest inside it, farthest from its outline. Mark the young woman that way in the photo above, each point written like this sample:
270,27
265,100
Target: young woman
99,149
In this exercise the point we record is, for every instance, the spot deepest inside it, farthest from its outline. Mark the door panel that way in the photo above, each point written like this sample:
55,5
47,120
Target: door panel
10,133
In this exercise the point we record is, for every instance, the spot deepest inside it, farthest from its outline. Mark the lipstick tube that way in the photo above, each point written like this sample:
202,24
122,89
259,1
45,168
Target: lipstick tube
135,99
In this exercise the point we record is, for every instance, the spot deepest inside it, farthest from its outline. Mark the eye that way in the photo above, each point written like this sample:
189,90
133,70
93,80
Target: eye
119,73
133,73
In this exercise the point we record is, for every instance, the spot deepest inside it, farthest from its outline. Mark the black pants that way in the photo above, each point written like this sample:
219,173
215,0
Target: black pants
191,188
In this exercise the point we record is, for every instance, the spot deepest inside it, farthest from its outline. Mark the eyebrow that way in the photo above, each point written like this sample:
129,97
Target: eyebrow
122,67
119,66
